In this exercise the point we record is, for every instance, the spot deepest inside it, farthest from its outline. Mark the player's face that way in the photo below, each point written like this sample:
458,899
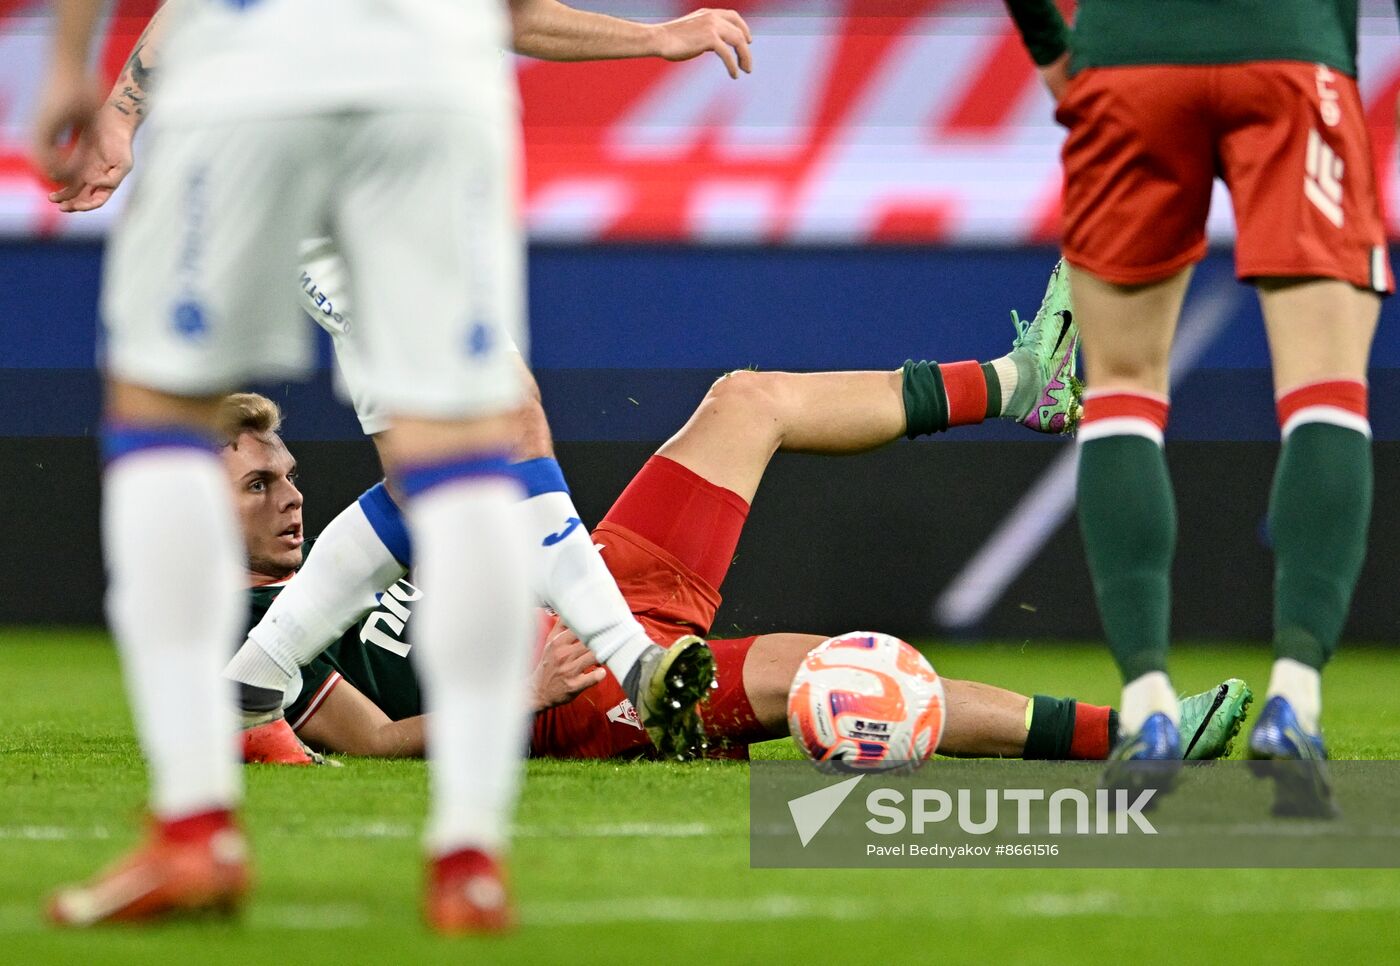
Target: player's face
263,475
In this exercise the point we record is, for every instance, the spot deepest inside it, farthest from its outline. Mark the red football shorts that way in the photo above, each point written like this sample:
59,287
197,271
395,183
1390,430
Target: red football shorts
1288,138
691,526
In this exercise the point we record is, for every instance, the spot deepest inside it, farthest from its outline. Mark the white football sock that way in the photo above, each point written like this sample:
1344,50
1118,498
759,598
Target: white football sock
1009,377
569,575
338,583
1301,685
1144,697
472,636
176,604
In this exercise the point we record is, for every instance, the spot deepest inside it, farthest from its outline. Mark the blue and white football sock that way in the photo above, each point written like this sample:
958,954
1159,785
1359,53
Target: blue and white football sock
472,638
358,555
176,604
568,572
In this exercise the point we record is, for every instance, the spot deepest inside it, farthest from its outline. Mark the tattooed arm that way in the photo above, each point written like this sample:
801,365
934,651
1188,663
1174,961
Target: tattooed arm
134,84
102,157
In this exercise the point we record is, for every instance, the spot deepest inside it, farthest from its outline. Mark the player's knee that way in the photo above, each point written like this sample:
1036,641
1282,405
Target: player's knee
754,394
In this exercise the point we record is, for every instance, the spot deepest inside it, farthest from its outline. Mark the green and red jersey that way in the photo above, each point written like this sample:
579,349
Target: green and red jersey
1118,33
372,655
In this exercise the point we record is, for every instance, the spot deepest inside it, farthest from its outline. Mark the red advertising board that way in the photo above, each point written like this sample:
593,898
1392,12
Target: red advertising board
864,121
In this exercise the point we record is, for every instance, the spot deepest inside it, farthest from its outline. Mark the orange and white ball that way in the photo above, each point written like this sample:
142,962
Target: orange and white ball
866,702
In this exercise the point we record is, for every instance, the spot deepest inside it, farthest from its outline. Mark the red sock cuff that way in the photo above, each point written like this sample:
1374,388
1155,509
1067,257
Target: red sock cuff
198,827
461,864
1126,405
1091,741
728,714
684,514
966,388
1345,395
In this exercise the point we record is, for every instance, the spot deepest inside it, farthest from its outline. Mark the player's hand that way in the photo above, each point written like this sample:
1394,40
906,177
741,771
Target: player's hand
100,160
71,97
567,668
722,31
1056,76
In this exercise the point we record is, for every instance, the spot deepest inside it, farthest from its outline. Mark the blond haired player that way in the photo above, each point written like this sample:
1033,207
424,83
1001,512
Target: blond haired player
369,539
392,113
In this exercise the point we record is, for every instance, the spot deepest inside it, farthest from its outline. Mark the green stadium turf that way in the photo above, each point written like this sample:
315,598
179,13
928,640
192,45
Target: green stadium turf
641,863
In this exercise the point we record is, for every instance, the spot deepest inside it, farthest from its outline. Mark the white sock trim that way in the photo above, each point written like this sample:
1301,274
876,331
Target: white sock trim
1301,685
1120,426
1009,378
1332,415
1145,696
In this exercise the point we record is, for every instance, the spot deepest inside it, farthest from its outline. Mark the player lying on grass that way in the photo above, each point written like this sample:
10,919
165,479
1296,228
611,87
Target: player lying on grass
665,684
669,540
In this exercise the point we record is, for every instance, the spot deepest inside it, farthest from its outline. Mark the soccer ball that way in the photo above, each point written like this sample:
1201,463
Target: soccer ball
866,702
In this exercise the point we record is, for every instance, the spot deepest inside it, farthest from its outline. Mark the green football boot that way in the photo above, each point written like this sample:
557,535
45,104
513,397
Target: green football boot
1046,352
665,686
1210,720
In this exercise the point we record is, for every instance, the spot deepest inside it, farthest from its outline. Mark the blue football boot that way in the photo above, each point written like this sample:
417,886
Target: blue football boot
1148,760
1281,750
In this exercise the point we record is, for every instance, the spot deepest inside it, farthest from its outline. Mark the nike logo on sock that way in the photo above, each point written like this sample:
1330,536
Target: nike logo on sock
571,524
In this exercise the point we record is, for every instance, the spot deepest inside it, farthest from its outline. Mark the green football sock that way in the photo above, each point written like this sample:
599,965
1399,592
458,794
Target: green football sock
1127,515
1319,512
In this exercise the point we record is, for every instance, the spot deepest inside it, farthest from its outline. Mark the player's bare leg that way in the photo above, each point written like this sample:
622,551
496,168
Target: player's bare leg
985,721
1126,508
170,535
1320,333
747,416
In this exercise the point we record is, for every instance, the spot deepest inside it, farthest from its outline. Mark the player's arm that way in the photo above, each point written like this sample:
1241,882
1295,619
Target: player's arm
348,723
69,99
1046,37
102,157
549,30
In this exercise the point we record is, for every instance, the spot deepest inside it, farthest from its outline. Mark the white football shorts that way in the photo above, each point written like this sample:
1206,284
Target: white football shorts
419,204
324,292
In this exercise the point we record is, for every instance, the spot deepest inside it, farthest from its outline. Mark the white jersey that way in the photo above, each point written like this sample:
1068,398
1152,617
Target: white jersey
249,58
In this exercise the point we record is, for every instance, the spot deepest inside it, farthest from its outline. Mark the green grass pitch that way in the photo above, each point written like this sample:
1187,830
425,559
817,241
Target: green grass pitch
640,863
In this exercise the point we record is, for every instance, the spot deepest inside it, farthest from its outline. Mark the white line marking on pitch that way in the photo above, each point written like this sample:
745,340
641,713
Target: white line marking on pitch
329,917
399,830
52,833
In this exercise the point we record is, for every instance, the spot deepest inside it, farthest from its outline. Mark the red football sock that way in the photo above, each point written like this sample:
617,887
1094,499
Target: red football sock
965,385
730,721
462,863
198,827
1092,738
